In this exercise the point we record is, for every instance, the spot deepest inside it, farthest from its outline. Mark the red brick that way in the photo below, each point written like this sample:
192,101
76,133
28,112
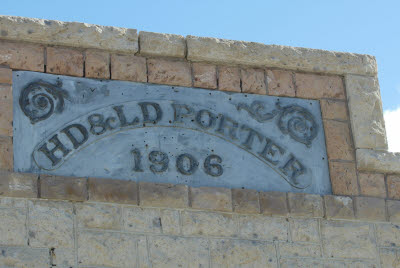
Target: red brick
170,72
253,81
204,75
6,153
280,83
338,140
6,110
22,56
65,61
97,64
313,86
111,190
229,79
343,178
128,67
6,75
333,109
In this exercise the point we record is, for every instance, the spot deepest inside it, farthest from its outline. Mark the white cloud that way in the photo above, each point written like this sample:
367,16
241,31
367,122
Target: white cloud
392,122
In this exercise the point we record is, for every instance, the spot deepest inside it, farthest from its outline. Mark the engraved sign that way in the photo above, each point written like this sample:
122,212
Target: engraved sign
123,130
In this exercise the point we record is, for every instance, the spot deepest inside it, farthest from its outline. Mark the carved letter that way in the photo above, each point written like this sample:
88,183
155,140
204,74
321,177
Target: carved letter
74,139
58,146
269,151
232,127
250,137
293,168
122,117
181,111
146,115
205,123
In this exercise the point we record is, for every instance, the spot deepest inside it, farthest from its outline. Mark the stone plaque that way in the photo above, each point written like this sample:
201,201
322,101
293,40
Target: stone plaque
144,132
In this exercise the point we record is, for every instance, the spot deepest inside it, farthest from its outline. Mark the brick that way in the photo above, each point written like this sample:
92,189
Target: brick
370,208
393,185
389,258
137,219
388,235
97,64
97,215
253,81
22,56
6,75
273,203
160,44
343,178
304,230
339,207
229,79
18,185
211,198
163,195
245,201
338,140
26,257
65,61
60,187
300,263
129,68
280,83
372,184
204,75
169,72
6,117
299,250
333,109
308,205
13,227
313,86
6,154
263,227
6,93
393,210
115,191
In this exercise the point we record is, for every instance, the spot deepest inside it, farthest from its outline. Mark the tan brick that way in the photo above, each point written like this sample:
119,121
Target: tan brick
102,216
169,72
66,61
18,184
211,198
372,184
339,207
370,208
229,79
313,86
390,258
204,75
128,67
60,187
308,205
22,56
343,178
97,64
6,93
245,201
253,81
6,75
23,257
13,227
280,83
263,227
115,191
273,203
393,185
338,140
6,153
163,195
304,230
299,250
393,209
388,235
160,44
6,118
333,109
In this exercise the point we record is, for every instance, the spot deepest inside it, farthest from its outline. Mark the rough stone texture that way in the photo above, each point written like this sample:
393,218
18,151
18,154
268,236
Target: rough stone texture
159,44
393,185
110,190
390,258
280,83
253,81
263,227
139,219
163,195
372,184
273,203
393,210
170,221
339,207
6,110
300,263
338,140
6,75
370,208
299,250
102,216
23,257
128,67
293,58
18,184
308,205
97,64
388,235
59,187
343,178
245,201
74,34
169,72
229,79
13,227
22,56
304,230
366,114
64,61
6,153
204,75
378,161
211,198
313,86
333,109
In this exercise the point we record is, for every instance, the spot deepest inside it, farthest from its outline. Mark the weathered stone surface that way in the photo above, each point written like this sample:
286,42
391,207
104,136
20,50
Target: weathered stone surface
273,203
245,201
299,250
170,221
378,161
59,187
18,184
6,153
229,79
334,109
370,208
6,117
74,34
13,227
97,64
263,227
300,263
388,235
293,58
112,190
62,257
26,257
129,68
304,230
366,116
393,185
253,81
390,258
160,44
137,219
163,195
22,56
313,86
5,75
308,205
6,93
169,72
211,198
204,75
339,207
343,178
65,61
280,83
10,202
339,144
372,184
393,210
97,215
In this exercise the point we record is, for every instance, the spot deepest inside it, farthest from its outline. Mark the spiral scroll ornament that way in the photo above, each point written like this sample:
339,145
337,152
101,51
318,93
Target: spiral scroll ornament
40,100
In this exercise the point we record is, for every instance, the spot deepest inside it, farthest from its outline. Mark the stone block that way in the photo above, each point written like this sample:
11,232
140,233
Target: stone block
6,117
6,93
314,86
128,67
204,75
245,201
299,250
211,198
300,263
339,144
60,187
339,207
263,227
163,195
25,257
280,83
253,81
160,44
115,191
334,109
65,61
372,184
388,235
11,202
393,210
18,184
62,257
22,56
378,161
137,219
308,205
393,185
304,230
273,203
170,222
6,153
5,75
97,215
13,227
343,178
169,72
390,257
97,64
229,79
370,208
